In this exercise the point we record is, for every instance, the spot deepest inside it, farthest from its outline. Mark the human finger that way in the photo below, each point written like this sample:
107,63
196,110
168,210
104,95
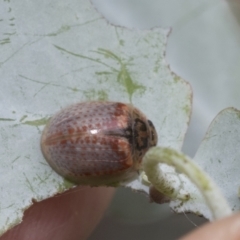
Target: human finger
71,215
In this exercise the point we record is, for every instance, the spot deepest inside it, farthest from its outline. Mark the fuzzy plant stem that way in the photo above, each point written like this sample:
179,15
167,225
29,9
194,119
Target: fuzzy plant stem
213,197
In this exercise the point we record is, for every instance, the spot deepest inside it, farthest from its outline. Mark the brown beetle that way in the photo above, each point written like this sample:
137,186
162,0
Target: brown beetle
98,143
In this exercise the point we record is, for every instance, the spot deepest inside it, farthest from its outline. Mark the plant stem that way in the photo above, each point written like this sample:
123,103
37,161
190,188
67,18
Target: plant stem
213,197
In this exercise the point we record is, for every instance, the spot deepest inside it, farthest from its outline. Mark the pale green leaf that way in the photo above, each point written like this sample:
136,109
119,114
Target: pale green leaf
61,52
218,155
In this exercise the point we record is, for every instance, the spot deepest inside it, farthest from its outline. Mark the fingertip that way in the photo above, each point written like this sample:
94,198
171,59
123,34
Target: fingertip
71,215
227,228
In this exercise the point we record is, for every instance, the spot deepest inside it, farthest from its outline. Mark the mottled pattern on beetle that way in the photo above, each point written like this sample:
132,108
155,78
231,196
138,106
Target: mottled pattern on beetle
89,139
98,143
141,134
153,138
